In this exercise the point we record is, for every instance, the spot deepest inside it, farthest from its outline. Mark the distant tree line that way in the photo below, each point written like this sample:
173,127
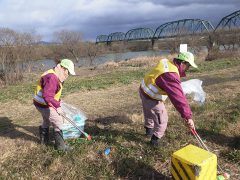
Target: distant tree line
18,48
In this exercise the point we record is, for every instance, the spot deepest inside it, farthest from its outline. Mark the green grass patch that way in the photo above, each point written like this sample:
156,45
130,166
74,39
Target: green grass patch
103,81
233,155
216,65
23,92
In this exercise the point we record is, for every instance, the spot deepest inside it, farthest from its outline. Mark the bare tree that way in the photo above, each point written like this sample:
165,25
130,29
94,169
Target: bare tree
92,50
8,63
225,43
15,48
70,42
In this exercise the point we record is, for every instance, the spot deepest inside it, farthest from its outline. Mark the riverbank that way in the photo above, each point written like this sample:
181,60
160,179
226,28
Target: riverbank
109,96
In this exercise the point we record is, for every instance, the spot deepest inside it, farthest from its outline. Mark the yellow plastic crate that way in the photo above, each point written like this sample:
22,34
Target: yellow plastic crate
193,163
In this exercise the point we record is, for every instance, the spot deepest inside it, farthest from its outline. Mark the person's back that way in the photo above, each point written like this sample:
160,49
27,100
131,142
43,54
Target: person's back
149,83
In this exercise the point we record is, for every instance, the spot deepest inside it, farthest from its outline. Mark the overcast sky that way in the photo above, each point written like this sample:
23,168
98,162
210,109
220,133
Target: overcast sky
95,17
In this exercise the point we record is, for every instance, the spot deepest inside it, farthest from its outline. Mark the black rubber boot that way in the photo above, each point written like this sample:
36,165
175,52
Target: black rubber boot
149,131
154,140
44,135
59,141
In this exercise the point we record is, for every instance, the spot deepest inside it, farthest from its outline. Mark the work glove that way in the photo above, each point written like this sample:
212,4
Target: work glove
190,124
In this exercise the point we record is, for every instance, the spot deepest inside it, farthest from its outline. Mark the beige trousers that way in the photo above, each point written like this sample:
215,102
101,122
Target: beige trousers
50,116
155,115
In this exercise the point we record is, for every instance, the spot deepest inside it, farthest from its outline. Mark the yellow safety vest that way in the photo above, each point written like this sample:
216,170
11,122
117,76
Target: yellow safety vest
148,84
38,96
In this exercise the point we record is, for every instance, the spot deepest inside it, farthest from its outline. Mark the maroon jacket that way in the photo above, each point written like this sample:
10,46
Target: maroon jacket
171,84
50,85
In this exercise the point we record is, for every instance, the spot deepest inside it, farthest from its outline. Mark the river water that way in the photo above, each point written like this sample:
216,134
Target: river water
116,57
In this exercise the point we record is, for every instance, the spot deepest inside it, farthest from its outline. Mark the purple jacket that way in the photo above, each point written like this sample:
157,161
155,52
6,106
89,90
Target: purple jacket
50,85
171,84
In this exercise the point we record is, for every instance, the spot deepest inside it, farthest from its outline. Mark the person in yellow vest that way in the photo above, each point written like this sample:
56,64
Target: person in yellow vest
47,94
161,82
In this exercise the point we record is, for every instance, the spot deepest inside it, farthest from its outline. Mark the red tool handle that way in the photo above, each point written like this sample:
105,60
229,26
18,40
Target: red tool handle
194,132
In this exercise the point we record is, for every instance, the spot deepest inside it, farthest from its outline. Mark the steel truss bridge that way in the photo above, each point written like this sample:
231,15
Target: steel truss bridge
231,21
179,28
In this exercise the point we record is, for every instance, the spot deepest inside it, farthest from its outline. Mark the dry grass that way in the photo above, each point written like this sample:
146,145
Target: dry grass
216,54
144,61
116,121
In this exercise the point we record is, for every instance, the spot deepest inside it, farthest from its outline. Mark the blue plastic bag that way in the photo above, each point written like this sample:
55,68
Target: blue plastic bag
77,116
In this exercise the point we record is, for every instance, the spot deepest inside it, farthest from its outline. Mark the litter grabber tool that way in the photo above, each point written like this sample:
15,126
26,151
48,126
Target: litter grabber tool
203,145
72,122
200,141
